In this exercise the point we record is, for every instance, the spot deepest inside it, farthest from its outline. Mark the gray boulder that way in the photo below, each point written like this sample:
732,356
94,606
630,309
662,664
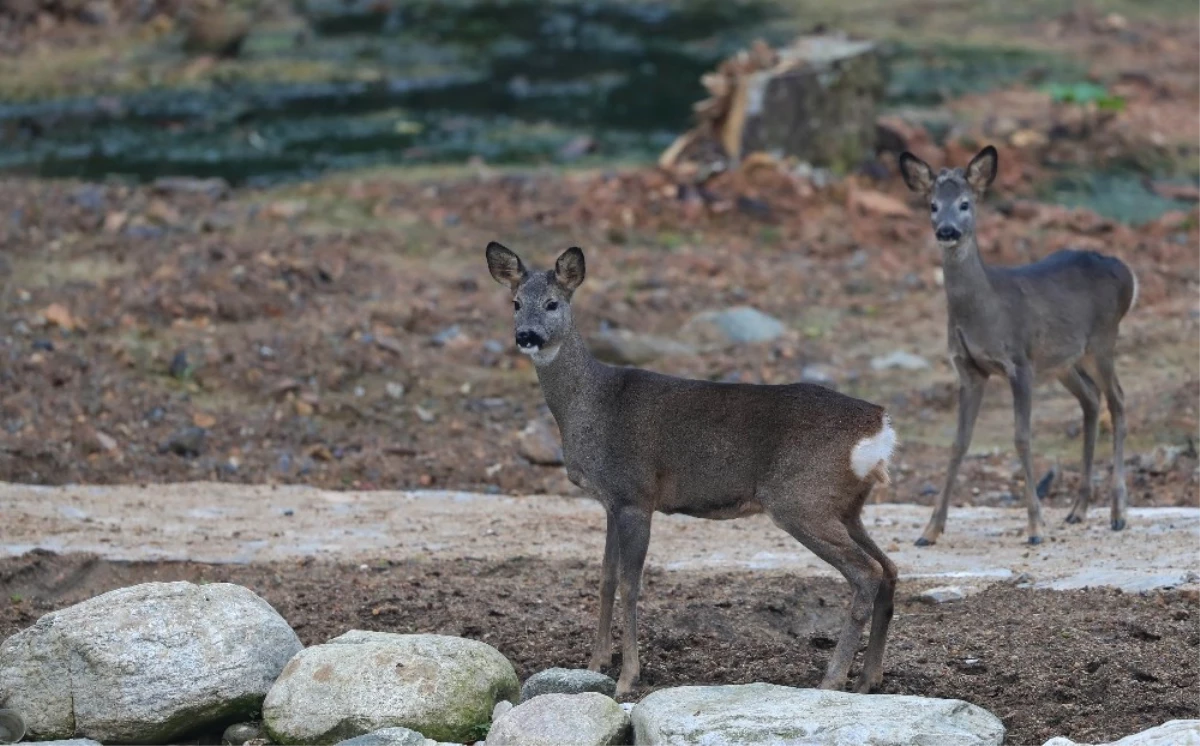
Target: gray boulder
625,347
145,664
443,687
588,719
770,714
71,742
737,325
567,681
1170,733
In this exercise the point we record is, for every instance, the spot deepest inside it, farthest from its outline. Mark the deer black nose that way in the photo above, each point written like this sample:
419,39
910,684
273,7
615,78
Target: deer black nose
948,233
527,338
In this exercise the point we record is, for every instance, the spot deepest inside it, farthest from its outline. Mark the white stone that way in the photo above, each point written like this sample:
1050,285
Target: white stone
777,715
442,687
1170,733
942,595
145,664
899,359
587,719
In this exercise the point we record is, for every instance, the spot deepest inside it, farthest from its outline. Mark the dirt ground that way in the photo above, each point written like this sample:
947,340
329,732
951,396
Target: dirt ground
1094,665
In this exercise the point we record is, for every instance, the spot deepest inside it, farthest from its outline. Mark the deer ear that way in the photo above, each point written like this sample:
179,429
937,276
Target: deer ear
916,172
569,270
505,266
981,171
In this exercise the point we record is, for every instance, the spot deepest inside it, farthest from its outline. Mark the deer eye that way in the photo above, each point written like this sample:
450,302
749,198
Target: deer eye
964,205
551,305
516,305
933,206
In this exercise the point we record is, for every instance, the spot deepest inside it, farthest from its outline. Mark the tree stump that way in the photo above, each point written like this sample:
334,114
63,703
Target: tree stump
815,100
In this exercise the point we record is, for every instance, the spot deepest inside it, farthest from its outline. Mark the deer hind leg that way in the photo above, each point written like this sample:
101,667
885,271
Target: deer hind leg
1116,407
829,538
1079,383
872,670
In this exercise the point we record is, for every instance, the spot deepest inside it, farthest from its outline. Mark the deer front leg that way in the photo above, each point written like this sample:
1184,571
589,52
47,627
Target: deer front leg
1021,381
633,531
602,652
970,393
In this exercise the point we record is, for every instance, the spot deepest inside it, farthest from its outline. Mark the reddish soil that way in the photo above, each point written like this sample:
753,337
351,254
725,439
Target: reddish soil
1093,665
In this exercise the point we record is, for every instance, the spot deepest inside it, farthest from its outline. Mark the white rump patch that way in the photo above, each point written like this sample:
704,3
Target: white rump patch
870,455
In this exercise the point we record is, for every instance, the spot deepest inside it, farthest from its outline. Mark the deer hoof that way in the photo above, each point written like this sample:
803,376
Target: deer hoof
1072,518
923,542
1118,524
1035,540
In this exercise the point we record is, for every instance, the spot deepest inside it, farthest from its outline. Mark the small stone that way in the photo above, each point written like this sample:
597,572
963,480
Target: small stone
387,737
180,366
539,445
942,595
187,442
238,733
394,390
899,359
567,681
446,336
423,414
820,373
106,441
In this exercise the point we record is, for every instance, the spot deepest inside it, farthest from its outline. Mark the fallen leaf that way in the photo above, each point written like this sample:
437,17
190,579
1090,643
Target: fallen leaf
201,419
57,314
878,203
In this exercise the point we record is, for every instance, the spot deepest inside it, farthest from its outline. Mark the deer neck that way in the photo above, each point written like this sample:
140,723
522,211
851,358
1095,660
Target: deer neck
969,291
571,380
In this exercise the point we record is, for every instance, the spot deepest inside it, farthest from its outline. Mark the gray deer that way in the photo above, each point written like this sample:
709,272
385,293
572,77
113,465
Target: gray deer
640,442
1059,315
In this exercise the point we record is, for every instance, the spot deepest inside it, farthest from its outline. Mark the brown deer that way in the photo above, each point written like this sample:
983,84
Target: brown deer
1059,315
640,442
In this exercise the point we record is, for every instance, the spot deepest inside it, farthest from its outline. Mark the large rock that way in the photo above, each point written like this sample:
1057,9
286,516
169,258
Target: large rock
625,347
770,714
145,664
567,681
588,719
737,325
1170,733
443,687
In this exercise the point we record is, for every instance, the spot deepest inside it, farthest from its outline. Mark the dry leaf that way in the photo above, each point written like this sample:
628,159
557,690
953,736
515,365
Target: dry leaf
57,314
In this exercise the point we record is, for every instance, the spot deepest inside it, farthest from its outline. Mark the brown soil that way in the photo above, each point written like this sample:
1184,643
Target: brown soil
1092,665
155,336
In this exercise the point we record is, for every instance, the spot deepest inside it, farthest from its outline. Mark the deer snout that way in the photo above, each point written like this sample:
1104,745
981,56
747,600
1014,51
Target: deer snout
528,339
948,233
